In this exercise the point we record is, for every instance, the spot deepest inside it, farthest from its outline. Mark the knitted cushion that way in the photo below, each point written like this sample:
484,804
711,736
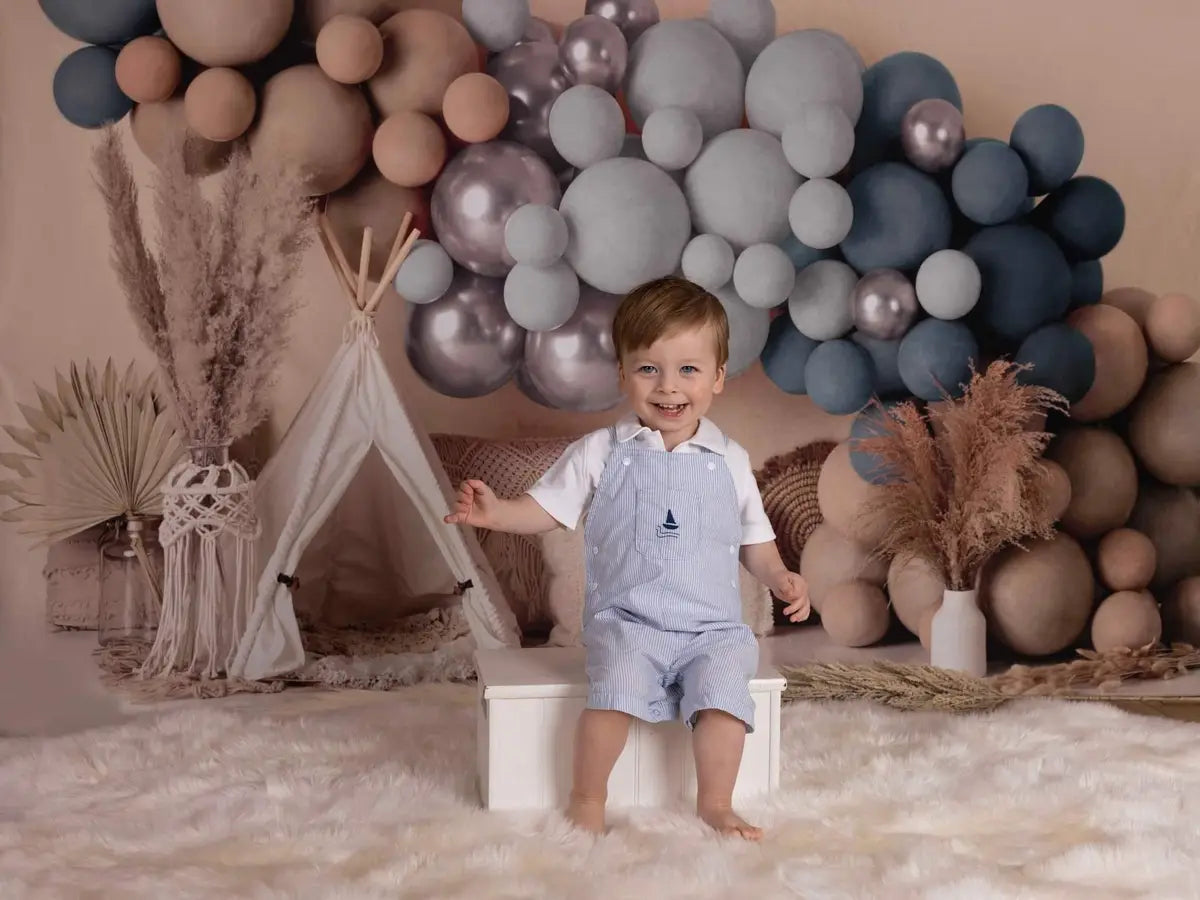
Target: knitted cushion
789,490
508,467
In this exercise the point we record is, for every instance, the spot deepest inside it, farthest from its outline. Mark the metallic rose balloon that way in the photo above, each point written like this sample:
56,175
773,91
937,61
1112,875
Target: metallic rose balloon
574,367
932,135
593,51
631,16
884,303
533,75
477,192
465,344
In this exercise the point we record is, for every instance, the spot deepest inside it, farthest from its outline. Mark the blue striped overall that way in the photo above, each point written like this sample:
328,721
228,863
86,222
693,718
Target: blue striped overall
662,619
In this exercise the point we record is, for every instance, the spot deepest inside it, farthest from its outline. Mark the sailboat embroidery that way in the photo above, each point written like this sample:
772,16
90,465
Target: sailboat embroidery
669,527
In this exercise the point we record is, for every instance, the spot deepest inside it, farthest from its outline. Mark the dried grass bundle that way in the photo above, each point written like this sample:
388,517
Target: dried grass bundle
965,477
97,451
214,302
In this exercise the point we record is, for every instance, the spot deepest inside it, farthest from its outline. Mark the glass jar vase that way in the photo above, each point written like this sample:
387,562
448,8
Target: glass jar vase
131,569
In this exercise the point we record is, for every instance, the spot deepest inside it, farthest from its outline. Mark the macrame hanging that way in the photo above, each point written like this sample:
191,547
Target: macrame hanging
208,536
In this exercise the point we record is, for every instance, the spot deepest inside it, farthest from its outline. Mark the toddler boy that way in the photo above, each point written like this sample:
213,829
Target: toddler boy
672,508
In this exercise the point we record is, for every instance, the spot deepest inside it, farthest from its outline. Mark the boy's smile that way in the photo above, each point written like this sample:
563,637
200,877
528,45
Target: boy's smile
672,382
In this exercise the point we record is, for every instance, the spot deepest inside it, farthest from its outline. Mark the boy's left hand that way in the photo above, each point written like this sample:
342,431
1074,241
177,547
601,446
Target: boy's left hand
792,591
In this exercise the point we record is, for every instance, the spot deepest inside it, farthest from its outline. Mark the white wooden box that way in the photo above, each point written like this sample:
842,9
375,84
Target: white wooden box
529,701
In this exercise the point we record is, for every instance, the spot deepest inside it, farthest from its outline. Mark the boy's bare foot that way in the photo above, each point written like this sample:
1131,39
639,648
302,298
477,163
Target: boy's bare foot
729,823
586,814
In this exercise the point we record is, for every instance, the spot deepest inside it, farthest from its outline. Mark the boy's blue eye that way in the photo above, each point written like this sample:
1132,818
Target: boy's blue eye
646,370
689,370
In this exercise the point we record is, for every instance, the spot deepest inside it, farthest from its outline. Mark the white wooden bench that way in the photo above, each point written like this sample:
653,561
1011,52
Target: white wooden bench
529,701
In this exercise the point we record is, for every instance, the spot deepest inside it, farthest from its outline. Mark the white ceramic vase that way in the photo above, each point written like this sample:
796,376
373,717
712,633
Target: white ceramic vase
958,635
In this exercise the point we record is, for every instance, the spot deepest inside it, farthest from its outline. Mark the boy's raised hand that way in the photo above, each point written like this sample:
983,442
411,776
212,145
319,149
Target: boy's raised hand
474,505
792,591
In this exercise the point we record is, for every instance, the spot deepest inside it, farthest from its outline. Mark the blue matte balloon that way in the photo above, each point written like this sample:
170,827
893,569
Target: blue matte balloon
935,358
85,88
838,376
1063,360
1050,141
803,255
884,358
785,355
901,216
1087,283
1086,216
102,21
890,87
869,424
989,183
1026,279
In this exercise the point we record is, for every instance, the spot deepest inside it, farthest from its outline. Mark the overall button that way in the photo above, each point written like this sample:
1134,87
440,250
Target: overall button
593,586
711,466
595,550
733,582
733,548
626,461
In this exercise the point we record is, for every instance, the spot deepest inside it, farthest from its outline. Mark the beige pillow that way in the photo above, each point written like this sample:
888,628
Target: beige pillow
564,567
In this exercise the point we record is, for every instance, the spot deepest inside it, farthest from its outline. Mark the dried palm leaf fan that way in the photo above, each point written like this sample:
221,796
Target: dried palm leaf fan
96,452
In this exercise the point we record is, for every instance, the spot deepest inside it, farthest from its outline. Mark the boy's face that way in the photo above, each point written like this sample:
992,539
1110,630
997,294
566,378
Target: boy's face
671,383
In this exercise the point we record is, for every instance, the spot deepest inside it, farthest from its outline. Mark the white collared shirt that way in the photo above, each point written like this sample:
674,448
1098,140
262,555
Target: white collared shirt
566,490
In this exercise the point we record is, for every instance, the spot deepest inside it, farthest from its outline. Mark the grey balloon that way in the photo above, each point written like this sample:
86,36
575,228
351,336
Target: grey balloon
426,273
477,192
593,51
533,76
884,303
749,25
497,24
574,367
465,344
587,125
631,16
932,134
749,328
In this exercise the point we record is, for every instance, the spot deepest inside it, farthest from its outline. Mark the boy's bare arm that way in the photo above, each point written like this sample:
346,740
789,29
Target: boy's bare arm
764,563
477,505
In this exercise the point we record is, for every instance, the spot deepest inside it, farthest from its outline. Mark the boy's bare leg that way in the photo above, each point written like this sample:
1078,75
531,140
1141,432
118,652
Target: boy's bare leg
717,740
599,738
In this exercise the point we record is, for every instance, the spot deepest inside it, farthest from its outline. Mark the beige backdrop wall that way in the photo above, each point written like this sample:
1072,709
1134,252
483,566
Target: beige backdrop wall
1127,70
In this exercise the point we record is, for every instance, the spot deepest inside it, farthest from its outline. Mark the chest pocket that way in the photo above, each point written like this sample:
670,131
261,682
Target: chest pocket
667,523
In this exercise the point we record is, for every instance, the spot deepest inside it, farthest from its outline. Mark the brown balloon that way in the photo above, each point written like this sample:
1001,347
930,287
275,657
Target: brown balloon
148,69
317,12
1104,481
1125,560
1128,619
349,49
220,104
1121,360
226,32
855,614
424,51
475,107
1173,327
156,127
1133,301
409,149
308,119
1164,426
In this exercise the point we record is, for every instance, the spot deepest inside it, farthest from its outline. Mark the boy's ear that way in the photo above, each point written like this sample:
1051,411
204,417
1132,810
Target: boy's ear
719,384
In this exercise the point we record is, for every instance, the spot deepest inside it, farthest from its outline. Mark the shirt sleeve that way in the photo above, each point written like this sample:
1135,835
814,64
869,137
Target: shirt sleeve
565,490
756,527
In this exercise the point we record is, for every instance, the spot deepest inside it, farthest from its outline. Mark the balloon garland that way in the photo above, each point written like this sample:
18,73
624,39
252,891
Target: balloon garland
861,243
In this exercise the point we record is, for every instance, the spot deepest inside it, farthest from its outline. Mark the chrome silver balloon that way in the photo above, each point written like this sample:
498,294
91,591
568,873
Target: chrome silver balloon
465,344
594,51
631,16
476,193
574,367
932,134
533,76
884,304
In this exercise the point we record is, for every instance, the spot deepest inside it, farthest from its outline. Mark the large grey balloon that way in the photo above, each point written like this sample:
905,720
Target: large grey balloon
477,192
533,75
631,16
885,304
465,344
594,51
538,30
932,135
574,367
749,329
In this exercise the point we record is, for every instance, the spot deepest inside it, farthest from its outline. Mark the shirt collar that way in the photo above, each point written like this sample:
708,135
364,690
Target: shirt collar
707,436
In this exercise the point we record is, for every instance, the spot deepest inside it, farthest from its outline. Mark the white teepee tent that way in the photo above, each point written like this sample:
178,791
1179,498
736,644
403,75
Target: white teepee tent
354,409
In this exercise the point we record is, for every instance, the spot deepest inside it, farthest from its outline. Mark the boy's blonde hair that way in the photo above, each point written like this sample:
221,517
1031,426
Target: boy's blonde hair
664,306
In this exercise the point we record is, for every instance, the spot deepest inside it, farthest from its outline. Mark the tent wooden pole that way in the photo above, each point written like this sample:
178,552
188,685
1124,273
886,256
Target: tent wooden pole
405,224
364,266
338,274
392,269
339,258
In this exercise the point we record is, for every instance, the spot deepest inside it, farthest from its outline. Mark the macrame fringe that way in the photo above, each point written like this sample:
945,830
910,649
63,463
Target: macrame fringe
208,523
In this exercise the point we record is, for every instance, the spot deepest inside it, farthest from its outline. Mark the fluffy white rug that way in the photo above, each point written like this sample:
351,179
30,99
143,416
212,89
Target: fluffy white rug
344,795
